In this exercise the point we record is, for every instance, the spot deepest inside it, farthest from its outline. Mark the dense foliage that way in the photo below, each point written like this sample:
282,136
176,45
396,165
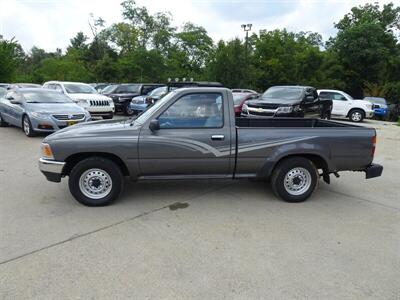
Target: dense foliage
362,59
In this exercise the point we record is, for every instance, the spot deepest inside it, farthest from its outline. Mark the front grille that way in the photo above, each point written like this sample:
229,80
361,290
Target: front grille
264,105
69,117
375,106
99,103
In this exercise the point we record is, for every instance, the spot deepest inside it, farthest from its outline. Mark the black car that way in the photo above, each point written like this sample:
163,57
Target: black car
288,101
122,94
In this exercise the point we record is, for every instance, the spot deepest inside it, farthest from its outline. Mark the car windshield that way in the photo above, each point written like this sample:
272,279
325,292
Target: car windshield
143,117
129,88
283,92
239,97
376,100
108,89
79,88
45,96
158,91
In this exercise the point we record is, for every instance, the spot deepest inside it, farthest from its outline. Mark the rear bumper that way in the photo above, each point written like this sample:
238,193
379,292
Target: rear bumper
51,169
373,170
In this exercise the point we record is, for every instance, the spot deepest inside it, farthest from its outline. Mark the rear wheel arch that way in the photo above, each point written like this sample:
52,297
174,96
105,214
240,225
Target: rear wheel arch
319,162
74,159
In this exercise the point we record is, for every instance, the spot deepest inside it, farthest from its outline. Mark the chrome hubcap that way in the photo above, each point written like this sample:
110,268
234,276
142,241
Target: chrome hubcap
356,116
297,181
26,126
95,183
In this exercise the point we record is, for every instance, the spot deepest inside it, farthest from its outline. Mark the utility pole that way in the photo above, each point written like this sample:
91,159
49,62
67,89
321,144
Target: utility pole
246,28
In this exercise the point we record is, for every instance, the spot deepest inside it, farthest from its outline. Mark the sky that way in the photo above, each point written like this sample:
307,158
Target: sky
50,24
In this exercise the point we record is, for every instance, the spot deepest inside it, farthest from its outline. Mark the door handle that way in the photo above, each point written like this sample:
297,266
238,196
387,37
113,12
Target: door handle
218,137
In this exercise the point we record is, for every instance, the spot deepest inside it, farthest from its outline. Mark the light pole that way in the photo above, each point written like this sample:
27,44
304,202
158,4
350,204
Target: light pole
246,28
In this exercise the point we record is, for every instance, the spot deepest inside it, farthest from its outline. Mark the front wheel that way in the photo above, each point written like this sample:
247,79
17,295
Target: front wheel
294,179
96,181
27,127
356,115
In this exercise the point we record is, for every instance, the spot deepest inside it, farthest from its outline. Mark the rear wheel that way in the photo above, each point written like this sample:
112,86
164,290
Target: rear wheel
27,126
356,115
2,122
294,179
96,181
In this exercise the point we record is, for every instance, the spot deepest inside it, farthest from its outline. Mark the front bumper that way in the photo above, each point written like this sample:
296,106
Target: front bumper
380,112
369,114
51,169
373,170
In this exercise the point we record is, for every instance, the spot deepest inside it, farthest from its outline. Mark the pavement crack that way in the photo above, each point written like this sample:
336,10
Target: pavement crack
78,236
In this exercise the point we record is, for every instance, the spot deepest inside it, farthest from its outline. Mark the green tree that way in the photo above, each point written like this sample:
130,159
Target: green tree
11,54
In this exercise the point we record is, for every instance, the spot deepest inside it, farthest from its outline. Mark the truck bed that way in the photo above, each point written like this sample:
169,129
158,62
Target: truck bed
261,142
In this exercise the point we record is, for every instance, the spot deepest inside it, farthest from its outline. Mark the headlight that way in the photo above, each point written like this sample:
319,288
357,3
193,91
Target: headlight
40,115
245,108
47,153
284,110
83,103
296,108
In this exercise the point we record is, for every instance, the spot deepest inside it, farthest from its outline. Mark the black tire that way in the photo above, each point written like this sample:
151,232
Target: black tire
105,166
356,115
294,167
108,117
127,109
27,127
2,122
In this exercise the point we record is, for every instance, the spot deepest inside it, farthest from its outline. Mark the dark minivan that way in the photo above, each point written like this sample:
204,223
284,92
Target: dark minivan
288,101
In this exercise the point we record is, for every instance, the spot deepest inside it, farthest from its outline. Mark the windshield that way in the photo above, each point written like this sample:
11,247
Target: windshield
45,96
238,98
128,88
158,91
143,117
283,92
376,100
79,88
348,96
108,89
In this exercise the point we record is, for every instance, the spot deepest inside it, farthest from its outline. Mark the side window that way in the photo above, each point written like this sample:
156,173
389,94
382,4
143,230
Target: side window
325,95
339,97
58,88
146,89
194,111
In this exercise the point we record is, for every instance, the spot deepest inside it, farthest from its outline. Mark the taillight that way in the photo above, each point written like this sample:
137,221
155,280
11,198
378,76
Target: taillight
373,145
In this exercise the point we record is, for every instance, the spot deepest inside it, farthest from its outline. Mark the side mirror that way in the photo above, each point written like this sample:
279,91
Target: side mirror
309,98
154,125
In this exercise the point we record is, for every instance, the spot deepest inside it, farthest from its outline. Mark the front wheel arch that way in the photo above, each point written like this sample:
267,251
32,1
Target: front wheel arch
74,159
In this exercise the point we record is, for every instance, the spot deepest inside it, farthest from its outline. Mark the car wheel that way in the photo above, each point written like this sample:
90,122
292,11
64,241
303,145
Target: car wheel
356,115
96,181
128,111
2,122
27,126
294,179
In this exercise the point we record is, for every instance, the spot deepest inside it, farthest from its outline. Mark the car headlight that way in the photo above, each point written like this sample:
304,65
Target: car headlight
40,115
296,108
82,103
284,109
245,108
46,151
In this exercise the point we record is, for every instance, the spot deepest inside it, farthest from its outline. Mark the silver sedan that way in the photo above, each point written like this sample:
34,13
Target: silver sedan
39,110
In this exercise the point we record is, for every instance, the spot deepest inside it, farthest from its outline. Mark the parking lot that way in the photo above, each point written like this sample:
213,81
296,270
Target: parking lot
199,239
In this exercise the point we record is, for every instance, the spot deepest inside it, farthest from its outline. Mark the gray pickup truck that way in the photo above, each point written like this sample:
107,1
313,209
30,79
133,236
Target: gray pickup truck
192,133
